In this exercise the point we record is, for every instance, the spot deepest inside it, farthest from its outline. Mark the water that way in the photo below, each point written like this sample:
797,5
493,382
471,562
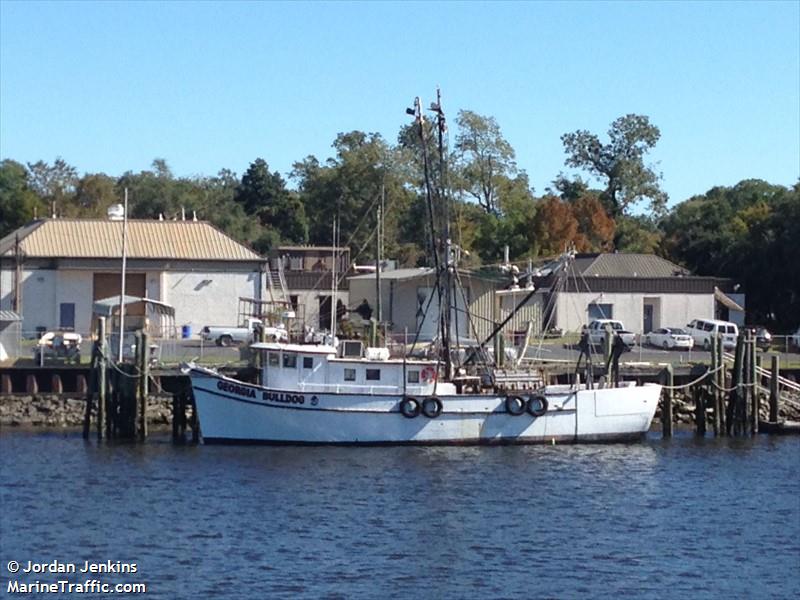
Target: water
684,518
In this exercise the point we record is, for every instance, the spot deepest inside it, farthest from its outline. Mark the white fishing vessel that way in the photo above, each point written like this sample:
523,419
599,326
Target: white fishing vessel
315,395
352,394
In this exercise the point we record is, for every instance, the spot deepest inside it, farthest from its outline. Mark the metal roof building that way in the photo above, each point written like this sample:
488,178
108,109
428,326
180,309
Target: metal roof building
53,270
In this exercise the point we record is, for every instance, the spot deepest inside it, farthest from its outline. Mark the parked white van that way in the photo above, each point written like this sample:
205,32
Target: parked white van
702,331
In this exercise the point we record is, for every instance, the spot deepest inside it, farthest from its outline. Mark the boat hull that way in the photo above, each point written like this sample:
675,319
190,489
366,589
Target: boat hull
234,412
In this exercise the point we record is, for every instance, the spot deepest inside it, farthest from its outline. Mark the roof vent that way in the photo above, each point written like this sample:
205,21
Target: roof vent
116,212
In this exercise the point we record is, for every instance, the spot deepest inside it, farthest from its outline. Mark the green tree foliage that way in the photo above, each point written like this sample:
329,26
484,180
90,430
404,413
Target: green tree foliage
54,184
637,234
18,202
281,213
620,163
351,185
748,232
511,225
94,193
484,159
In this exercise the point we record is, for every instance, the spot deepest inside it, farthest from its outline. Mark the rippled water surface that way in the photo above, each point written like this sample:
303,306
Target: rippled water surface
684,518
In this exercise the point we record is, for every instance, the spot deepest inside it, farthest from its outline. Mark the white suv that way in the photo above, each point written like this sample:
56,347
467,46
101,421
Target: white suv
702,331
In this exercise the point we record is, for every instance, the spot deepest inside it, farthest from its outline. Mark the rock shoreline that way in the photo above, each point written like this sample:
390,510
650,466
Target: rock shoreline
54,411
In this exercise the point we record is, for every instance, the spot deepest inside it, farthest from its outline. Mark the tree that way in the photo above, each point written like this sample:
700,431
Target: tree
55,184
264,194
485,158
554,227
749,233
18,202
637,234
595,228
94,193
351,186
620,163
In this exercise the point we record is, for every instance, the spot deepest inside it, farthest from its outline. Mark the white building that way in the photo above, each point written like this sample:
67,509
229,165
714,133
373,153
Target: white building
52,270
643,291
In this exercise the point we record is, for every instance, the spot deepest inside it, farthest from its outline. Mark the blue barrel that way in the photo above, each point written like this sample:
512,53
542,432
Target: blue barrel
186,332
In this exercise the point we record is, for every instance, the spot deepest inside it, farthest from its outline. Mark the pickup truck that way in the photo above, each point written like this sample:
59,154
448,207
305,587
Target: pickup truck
597,331
223,335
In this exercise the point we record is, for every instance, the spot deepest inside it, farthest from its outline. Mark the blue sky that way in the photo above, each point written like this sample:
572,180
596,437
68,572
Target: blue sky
111,86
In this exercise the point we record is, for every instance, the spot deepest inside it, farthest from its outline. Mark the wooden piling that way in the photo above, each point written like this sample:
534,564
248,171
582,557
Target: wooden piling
5,384
699,409
90,393
755,399
102,383
143,383
721,385
666,407
195,422
737,400
774,388
712,384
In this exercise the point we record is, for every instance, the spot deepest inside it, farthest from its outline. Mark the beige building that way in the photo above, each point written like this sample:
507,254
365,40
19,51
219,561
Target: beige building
485,301
52,270
643,291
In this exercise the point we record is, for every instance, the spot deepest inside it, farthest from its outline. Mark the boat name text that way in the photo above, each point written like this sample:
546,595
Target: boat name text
284,398
233,388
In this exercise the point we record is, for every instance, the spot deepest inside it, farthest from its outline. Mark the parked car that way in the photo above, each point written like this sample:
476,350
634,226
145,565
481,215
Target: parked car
56,345
670,337
763,337
226,335
702,331
597,331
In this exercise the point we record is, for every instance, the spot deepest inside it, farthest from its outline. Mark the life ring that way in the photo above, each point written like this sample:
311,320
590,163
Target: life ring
428,374
431,407
537,405
409,407
515,405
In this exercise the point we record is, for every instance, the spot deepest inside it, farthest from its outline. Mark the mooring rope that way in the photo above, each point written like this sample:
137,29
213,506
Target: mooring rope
691,383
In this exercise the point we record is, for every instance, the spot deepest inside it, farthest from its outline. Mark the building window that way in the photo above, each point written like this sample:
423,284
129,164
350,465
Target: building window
308,362
373,374
67,316
290,361
273,359
295,263
349,374
413,377
600,311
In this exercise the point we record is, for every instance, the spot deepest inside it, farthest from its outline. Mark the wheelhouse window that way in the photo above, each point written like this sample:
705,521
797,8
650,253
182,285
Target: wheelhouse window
413,377
273,359
308,362
290,361
373,374
349,374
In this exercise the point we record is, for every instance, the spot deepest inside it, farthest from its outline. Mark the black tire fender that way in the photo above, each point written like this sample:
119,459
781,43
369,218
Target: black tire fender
432,407
409,407
515,405
537,405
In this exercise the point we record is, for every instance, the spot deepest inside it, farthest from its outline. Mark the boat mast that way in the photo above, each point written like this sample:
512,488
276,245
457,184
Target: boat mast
440,244
446,278
333,285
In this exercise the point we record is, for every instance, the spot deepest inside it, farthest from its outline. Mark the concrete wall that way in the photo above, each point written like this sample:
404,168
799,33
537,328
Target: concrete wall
206,298
39,307
671,310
